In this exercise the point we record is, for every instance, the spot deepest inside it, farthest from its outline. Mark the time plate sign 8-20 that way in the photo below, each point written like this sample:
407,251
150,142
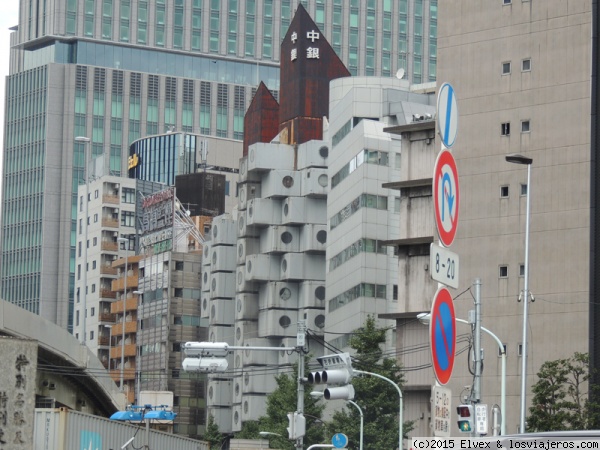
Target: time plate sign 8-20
443,265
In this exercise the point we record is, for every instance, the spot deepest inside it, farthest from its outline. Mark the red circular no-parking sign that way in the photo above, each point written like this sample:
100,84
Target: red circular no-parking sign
442,335
446,196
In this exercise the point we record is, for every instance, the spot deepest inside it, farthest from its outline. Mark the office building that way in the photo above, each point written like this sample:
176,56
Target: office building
117,71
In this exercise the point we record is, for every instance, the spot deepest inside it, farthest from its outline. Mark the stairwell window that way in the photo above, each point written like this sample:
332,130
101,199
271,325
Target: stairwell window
503,272
505,129
525,126
506,68
526,65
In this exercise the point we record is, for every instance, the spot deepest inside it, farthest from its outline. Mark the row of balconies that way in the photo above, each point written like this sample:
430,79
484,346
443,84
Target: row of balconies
130,351
130,327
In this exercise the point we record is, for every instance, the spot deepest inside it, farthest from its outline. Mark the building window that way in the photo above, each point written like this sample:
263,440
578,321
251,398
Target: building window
524,189
95,218
504,191
92,311
503,351
526,65
503,272
521,270
507,2
519,349
93,288
525,126
91,335
505,129
95,240
506,68
93,266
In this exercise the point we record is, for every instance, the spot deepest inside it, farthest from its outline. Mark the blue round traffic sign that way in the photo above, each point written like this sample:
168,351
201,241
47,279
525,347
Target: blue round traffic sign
339,440
442,335
447,115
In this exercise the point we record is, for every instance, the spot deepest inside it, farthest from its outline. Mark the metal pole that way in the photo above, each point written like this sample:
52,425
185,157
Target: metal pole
300,341
476,394
361,422
400,412
522,428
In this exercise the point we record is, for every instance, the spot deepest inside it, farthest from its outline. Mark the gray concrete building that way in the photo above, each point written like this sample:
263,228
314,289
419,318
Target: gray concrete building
521,73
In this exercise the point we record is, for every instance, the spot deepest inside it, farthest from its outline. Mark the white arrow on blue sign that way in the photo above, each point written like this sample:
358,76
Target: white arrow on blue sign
339,440
447,115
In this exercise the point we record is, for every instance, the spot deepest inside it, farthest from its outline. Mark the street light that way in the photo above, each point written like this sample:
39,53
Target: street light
425,318
317,394
122,239
520,159
85,141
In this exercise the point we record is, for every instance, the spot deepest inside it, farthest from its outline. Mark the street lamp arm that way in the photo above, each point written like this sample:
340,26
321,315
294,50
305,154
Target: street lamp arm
400,412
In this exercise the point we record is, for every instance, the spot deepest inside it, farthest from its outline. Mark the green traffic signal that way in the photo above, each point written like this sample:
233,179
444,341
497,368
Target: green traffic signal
464,426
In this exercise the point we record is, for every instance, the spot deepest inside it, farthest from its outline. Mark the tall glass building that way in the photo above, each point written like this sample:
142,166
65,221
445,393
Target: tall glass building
118,70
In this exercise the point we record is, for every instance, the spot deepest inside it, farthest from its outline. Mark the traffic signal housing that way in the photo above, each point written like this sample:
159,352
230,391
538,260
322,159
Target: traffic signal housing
337,376
466,418
296,425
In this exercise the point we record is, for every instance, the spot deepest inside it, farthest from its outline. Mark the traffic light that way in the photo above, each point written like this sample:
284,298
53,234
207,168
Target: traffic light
465,418
296,425
337,376
205,356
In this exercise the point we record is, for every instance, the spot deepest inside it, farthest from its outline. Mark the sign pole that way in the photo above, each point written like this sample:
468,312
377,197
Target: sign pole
476,394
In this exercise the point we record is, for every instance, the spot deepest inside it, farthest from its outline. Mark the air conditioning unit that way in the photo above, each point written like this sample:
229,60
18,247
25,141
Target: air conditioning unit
279,239
222,285
315,183
263,212
246,307
222,312
313,238
221,333
257,357
302,266
313,154
258,383
247,192
312,294
253,407
281,183
262,267
237,388
246,247
265,156
246,175
242,284
315,319
219,392
236,421
245,329
222,416
206,254
245,230
205,280
223,259
223,231
287,357
277,323
204,305
301,210
278,295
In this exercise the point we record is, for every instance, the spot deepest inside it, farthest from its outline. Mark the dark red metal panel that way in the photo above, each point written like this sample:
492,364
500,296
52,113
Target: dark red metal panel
261,122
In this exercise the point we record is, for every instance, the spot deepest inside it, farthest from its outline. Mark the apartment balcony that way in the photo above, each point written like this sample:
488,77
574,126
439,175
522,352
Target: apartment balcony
108,270
110,222
112,199
128,374
131,304
119,283
130,327
111,246
106,317
104,340
130,350
107,293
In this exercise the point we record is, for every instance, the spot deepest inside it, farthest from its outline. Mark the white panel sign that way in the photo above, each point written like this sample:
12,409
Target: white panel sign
441,397
443,265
